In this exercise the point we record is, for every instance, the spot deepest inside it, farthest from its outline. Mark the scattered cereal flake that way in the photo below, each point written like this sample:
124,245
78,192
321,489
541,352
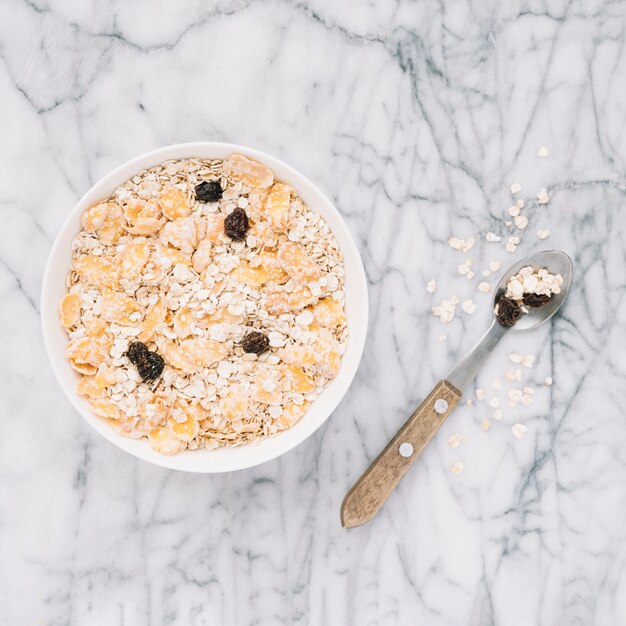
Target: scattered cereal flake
519,203
494,266
431,285
455,440
518,375
470,275
542,152
492,237
543,233
69,309
496,383
509,375
442,337
521,221
486,273
516,188
469,402
280,302
542,197
457,468
277,206
463,269
480,394
508,224
484,287
513,211
250,172
547,381
297,263
164,441
516,357
469,307
519,430
528,360
497,414
494,403
174,203
485,424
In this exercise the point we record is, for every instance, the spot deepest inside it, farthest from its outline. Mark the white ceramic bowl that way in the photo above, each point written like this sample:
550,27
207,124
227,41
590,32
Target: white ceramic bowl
222,459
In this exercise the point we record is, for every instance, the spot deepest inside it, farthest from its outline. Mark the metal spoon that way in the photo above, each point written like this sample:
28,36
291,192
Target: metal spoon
371,491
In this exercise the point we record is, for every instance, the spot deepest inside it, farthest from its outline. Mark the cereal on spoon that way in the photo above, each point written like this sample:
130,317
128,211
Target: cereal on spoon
530,288
205,305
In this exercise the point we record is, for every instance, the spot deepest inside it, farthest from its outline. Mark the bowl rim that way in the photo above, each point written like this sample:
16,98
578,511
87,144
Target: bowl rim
248,455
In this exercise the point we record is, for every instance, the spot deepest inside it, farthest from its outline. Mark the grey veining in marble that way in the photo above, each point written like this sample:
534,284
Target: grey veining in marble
415,117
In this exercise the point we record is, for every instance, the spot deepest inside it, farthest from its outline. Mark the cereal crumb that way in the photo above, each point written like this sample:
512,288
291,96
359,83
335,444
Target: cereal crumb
446,310
486,273
516,357
469,307
528,360
484,287
494,403
480,394
442,337
542,152
464,245
521,221
455,440
492,237
463,269
519,203
497,414
470,275
547,381
543,233
494,266
508,223
516,188
485,424
457,468
542,197
431,285
496,383
513,210
469,402
519,430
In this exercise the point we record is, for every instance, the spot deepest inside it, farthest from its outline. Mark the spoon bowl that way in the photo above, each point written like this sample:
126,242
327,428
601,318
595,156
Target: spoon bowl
556,262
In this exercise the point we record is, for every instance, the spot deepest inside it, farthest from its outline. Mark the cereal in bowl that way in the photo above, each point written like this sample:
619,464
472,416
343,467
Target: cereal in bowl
205,305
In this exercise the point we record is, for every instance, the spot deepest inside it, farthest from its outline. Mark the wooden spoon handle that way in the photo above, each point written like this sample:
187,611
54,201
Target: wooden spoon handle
371,490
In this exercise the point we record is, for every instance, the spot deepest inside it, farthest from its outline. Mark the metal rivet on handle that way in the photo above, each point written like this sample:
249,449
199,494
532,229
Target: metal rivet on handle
405,449
441,406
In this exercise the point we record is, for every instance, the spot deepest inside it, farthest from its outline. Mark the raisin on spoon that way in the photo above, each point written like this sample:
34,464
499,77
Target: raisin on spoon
508,312
535,300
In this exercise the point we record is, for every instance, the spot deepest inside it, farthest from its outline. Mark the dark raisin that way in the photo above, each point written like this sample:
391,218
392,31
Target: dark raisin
136,352
255,342
508,311
151,366
535,300
209,191
236,224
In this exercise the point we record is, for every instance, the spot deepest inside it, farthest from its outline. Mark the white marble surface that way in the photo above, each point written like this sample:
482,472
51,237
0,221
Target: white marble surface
415,117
